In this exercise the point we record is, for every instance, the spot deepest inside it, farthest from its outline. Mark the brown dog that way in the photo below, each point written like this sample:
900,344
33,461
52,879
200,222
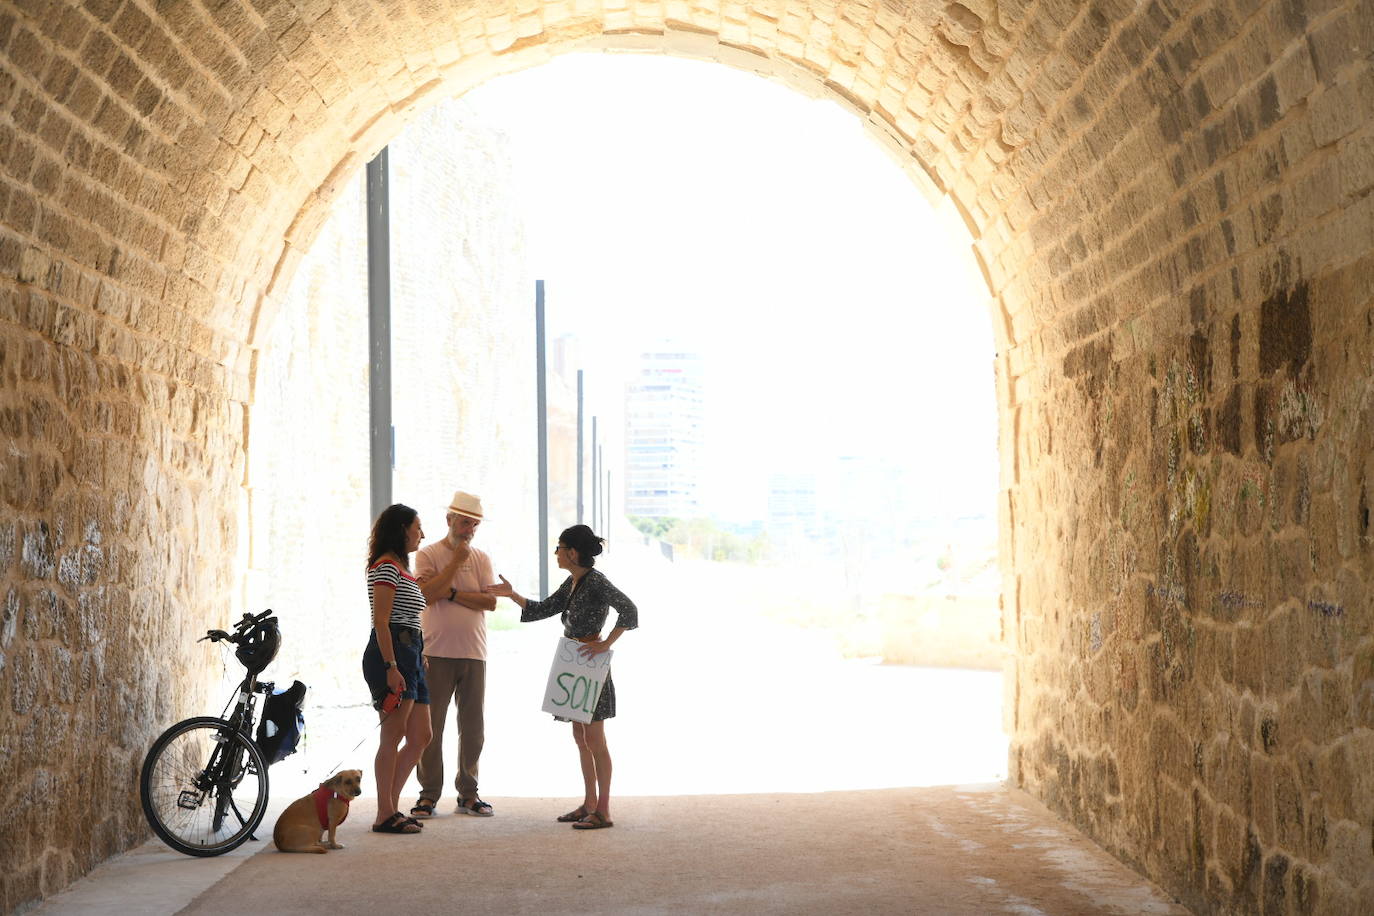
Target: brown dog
302,825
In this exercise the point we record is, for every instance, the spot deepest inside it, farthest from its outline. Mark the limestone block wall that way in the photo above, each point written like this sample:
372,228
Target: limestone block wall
1171,200
464,350
463,393
119,486
1187,447
306,497
122,414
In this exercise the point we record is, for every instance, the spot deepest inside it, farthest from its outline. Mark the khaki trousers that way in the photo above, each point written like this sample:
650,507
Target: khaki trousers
465,681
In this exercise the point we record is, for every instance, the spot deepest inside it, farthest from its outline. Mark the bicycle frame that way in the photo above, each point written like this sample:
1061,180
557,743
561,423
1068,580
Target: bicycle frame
225,768
202,771
245,706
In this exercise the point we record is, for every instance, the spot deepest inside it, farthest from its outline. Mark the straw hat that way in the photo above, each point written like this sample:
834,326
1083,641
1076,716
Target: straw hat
466,504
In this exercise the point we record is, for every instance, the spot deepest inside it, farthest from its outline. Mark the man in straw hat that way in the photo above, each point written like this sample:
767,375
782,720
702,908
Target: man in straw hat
455,628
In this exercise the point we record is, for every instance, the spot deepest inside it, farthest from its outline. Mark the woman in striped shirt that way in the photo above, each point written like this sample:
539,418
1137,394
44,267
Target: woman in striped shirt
393,662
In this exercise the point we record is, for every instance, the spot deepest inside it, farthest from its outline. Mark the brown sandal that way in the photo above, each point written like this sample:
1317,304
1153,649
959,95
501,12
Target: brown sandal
575,815
593,821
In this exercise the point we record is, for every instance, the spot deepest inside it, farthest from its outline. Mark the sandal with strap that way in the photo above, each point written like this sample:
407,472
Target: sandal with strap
593,821
476,807
423,808
397,823
574,815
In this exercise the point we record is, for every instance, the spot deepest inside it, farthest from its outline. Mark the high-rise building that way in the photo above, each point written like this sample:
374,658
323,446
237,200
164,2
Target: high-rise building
664,436
792,509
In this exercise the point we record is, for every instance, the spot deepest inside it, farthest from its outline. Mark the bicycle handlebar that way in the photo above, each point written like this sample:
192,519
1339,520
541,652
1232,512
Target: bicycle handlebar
249,621
241,629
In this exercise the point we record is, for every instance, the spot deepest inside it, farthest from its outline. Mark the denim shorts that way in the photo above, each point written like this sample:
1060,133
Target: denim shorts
409,646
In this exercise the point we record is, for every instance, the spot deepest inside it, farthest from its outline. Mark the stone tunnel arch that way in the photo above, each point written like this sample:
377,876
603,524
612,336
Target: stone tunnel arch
1172,206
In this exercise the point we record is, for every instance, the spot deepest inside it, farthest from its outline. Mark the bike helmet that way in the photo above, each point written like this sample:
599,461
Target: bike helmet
259,646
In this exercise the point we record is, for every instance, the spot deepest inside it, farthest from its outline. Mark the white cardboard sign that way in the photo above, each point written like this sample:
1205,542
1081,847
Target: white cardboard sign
575,681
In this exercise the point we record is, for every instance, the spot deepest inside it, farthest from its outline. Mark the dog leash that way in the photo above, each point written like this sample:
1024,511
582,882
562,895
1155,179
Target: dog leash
386,714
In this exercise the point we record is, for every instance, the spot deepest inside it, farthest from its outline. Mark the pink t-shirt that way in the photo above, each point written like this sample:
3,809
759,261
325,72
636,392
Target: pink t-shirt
454,630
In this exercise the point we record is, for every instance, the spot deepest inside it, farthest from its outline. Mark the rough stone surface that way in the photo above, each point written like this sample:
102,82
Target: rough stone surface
462,377
1172,205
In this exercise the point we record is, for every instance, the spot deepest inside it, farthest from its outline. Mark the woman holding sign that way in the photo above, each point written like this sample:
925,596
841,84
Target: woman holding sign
584,600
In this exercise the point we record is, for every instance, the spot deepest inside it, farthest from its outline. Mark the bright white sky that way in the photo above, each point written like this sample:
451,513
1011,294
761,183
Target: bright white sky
839,314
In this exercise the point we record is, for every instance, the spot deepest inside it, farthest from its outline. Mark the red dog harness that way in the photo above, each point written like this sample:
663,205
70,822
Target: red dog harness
322,796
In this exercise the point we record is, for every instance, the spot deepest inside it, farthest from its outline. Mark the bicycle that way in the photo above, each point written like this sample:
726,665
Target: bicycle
204,782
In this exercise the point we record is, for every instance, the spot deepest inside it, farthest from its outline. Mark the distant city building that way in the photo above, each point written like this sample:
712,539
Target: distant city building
565,360
875,503
664,434
565,357
877,490
860,504
792,505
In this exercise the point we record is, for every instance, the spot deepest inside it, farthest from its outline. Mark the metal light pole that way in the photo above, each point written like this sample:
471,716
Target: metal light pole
596,478
579,446
541,407
381,435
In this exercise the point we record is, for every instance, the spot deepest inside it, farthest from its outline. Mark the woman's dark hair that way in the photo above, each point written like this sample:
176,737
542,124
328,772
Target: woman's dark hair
583,542
389,534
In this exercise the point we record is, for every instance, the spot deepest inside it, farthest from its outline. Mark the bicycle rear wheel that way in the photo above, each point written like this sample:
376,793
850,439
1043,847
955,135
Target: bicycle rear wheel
204,787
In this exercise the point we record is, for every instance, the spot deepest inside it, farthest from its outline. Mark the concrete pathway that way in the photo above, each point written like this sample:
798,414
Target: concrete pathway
943,850
756,772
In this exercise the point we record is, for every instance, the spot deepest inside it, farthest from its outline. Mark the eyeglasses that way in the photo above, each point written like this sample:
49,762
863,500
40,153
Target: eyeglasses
558,547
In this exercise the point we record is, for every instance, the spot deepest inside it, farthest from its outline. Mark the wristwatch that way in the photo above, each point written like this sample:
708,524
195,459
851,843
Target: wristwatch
391,664
452,594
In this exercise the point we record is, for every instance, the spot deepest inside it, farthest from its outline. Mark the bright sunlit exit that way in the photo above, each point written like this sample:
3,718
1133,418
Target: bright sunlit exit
848,419
815,557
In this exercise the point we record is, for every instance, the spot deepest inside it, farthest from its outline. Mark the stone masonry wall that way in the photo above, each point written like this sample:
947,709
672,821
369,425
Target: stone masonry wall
1189,467
1171,200
463,393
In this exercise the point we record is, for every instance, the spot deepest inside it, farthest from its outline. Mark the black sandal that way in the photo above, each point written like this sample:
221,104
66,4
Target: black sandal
397,823
423,808
575,815
594,821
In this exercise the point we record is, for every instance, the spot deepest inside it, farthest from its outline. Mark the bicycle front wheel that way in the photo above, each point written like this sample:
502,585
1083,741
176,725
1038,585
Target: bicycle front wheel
204,787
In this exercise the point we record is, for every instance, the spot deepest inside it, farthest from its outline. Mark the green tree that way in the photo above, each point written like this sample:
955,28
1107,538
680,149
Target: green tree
705,538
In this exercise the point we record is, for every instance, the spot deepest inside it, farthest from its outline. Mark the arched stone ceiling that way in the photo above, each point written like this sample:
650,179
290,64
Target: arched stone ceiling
215,134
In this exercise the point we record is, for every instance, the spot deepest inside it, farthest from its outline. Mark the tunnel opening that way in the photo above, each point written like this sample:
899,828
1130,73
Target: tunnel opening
894,560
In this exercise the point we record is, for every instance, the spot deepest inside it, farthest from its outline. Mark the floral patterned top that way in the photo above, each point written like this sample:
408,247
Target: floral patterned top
585,609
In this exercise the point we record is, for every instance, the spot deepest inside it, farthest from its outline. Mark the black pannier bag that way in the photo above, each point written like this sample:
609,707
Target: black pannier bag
282,724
